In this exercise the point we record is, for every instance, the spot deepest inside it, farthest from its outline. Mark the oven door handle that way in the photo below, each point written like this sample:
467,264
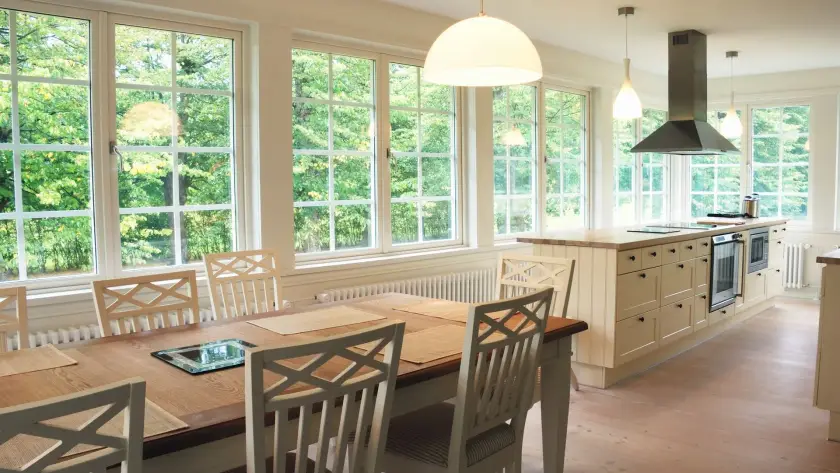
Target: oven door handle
738,274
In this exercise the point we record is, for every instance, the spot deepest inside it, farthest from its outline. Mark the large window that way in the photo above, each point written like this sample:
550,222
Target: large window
174,132
565,159
716,180
46,203
514,164
780,159
640,181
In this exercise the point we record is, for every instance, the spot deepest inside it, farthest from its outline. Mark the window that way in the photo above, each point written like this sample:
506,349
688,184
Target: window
46,202
514,164
421,157
716,180
334,129
174,131
780,159
565,158
640,181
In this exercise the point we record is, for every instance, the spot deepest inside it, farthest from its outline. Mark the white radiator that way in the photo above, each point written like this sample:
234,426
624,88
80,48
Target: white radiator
470,286
794,258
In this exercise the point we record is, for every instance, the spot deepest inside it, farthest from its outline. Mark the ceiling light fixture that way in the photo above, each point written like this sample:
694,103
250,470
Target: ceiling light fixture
627,104
731,126
482,52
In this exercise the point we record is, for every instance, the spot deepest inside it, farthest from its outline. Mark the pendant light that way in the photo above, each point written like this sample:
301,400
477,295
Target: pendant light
627,104
731,126
482,52
513,137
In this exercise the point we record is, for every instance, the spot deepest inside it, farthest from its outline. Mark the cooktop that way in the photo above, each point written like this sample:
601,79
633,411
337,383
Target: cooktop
689,225
653,230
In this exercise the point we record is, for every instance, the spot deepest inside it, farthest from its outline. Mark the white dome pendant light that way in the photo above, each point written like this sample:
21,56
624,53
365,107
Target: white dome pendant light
627,104
482,52
731,126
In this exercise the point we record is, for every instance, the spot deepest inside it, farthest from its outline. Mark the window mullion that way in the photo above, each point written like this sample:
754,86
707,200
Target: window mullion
21,245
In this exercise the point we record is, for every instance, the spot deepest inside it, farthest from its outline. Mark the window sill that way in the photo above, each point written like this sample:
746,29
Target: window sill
384,260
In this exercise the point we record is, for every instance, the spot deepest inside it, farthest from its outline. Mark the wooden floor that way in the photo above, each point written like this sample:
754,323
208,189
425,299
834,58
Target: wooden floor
740,402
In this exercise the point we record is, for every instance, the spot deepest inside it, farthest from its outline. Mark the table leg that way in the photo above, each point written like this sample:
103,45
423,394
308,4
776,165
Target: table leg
834,426
555,405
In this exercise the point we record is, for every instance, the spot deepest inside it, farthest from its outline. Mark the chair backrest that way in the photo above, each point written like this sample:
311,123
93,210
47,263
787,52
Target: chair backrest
13,317
142,302
299,380
521,274
243,282
498,369
56,427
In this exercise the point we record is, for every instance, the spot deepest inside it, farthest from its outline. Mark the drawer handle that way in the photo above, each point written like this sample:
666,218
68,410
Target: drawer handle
679,306
681,266
778,270
641,319
775,231
690,247
784,229
632,258
673,250
758,274
778,243
643,275
706,244
653,253
702,297
723,312
705,260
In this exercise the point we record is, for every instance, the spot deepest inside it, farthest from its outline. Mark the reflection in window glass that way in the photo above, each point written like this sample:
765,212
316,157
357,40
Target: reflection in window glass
780,159
333,135
175,135
716,180
515,150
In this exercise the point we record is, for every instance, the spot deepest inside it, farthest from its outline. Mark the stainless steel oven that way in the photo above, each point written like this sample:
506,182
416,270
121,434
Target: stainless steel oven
759,249
725,271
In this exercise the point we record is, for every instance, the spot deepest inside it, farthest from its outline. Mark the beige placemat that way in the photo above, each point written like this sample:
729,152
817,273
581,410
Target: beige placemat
449,310
316,320
21,449
33,359
430,344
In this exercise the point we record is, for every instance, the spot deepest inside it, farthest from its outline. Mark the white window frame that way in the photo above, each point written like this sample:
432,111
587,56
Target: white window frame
542,164
381,203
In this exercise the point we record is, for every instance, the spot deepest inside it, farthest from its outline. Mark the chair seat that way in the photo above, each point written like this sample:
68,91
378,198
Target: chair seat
424,436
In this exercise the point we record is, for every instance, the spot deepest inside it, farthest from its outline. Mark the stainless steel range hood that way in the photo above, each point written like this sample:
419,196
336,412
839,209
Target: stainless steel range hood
686,131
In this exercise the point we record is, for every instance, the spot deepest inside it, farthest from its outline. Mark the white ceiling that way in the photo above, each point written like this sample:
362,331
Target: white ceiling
772,35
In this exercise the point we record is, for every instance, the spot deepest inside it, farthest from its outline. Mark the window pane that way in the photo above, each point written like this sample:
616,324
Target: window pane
766,150
554,184
437,129
572,183
53,113
766,121
520,176
404,82
352,226
352,178
796,150
702,205
310,74
703,179
52,46
310,126
563,213
795,179
144,118
796,120
204,62
206,232
769,205
526,150
522,102
145,179
729,203
437,177
311,178
521,215
404,129
766,179
205,179
5,44
8,251
404,223
437,220
143,56
352,79
58,246
795,207
353,130
437,97
500,107
312,229
554,142
404,177
553,107
5,109
147,240
7,183
500,177
500,215
54,180
204,120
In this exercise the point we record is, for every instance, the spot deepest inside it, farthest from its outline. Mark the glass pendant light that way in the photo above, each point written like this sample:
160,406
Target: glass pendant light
627,104
731,126
482,52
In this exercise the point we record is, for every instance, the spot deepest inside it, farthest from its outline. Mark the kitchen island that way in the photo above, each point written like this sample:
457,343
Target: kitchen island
826,382
646,296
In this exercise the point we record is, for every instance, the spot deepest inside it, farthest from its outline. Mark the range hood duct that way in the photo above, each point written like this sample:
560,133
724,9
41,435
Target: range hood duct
686,131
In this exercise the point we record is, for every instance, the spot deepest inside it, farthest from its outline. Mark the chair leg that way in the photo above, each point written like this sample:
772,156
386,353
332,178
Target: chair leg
574,380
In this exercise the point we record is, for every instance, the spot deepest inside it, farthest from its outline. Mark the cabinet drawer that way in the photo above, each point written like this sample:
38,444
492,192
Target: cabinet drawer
629,261
688,249
670,253
721,314
775,282
636,336
755,289
637,292
651,257
704,246
675,321
701,274
701,312
777,232
774,257
677,281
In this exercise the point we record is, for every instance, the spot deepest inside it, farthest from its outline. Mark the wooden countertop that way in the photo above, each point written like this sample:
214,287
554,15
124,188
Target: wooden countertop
621,239
832,257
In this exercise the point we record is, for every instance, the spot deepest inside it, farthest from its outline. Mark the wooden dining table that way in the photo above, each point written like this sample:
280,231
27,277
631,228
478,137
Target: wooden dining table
213,406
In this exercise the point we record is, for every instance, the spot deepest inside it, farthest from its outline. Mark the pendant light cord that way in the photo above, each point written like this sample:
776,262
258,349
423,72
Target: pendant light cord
481,7
626,48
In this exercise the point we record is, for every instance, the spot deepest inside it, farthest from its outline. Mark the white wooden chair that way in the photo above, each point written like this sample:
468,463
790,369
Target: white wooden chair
91,410
142,303
243,283
521,274
13,299
482,431
305,397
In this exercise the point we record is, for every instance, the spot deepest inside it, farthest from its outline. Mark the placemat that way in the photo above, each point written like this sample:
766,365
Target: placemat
21,449
45,357
430,344
316,320
449,310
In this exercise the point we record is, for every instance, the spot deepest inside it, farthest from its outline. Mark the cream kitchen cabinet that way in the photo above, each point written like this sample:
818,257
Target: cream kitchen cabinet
826,381
638,292
775,254
629,261
755,288
688,250
636,336
701,312
676,321
775,282
701,274
670,253
704,246
651,257
677,281
721,314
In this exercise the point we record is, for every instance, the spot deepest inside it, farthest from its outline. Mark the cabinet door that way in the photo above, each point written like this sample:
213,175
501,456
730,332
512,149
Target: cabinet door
636,336
775,255
704,246
701,274
721,314
677,281
676,321
637,292
651,257
777,232
629,261
755,289
775,282
688,249
670,253
701,312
